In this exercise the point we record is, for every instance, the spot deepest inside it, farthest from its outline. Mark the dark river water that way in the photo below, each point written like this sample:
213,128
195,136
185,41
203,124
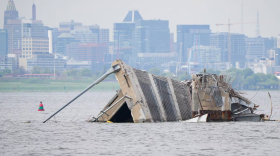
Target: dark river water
69,134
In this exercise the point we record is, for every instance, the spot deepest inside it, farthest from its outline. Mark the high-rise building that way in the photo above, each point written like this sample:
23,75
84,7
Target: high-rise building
3,42
278,41
277,57
255,49
84,35
205,54
132,16
100,35
104,38
34,28
238,50
172,44
62,41
93,52
123,36
13,26
33,12
123,41
151,36
55,34
14,30
185,38
269,44
11,12
34,46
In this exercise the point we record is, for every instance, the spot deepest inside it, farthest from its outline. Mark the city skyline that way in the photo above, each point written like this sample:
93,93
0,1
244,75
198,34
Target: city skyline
208,12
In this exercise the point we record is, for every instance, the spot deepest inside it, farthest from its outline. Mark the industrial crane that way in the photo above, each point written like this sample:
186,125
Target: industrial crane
229,38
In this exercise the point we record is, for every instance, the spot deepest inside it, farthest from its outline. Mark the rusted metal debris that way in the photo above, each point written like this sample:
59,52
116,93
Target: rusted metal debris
161,99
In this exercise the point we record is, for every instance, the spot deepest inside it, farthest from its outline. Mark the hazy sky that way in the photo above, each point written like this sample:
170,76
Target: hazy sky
107,12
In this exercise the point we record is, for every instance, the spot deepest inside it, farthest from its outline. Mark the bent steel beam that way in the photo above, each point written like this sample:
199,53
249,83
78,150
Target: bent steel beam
104,112
112,70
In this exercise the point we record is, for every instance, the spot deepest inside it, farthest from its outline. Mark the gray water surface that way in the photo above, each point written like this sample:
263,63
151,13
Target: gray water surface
69,134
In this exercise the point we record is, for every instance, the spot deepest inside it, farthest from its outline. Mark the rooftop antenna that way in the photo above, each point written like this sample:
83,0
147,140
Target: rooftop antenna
258,25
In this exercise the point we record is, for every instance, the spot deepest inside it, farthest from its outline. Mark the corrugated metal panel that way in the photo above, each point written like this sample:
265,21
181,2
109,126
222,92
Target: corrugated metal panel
149,94
183,98
166,98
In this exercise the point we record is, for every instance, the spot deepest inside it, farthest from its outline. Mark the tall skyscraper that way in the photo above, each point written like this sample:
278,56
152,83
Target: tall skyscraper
255,48
3,42
151,36
238,49
11,12
123,36
33,12
34,28
185,38
14,30
123,40
132,16
13,27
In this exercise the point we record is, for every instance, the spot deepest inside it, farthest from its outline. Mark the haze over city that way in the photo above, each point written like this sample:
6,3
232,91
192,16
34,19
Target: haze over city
107,12
139,77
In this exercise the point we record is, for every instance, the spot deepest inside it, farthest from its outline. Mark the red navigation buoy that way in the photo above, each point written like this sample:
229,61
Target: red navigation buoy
41,107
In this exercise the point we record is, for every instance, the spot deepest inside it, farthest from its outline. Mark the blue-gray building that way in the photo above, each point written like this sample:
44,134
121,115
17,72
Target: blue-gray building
151,36
277,57
62,41
123,40
123,33
255,48
185,38
238,48
11,12
34,28
3,42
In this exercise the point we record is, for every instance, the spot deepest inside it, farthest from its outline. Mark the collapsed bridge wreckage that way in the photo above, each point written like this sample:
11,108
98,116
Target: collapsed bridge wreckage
144,97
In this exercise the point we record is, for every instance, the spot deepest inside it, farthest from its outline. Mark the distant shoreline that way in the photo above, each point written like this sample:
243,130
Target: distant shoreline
56,86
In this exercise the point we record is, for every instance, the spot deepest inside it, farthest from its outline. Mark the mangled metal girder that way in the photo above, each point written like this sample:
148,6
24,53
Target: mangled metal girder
153,98
144,97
